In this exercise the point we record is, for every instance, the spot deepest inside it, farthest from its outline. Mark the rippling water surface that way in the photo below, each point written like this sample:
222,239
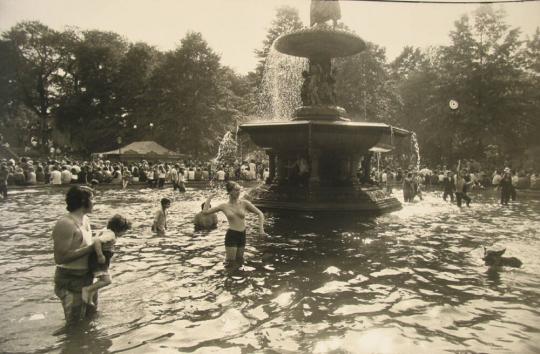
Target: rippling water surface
407,282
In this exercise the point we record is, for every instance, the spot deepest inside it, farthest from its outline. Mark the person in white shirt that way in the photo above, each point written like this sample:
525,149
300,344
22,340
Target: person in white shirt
65,175
99,261
252,170
31,177
181,180
173,175
56,176
220,174
191,174
496,179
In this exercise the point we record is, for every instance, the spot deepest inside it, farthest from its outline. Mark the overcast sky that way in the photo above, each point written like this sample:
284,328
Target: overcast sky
235,28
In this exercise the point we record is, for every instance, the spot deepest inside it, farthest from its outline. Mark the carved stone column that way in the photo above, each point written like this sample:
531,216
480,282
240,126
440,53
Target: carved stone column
271,167
314,178
281,175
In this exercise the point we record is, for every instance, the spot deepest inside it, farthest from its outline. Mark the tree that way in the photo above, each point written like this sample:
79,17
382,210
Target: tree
188,97
287,20
363,85
484,70
93,101
36,62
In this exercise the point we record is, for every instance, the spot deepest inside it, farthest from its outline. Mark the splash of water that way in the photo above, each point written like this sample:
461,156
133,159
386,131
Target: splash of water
279,94
227,150
416,147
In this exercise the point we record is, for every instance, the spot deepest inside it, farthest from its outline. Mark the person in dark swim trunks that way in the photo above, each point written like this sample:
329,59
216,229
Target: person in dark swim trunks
235,211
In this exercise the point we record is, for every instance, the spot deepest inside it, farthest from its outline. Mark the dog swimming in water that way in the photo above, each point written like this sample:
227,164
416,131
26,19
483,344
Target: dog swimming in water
495,259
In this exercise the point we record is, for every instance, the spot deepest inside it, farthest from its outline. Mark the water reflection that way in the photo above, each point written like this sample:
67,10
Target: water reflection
410,280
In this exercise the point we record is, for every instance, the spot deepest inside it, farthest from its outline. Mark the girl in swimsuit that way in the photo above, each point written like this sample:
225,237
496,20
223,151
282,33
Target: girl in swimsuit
235,211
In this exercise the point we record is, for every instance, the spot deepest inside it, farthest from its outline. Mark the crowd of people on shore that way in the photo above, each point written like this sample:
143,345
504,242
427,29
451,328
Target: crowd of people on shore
26,172
456,184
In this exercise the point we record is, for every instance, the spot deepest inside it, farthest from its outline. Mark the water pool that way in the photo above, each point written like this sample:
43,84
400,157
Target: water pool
409,281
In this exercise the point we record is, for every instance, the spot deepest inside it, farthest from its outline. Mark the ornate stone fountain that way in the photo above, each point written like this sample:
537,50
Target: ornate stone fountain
314,158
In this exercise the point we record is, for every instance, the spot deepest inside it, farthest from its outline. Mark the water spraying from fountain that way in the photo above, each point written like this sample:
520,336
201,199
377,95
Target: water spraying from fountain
416,149
279,93
227,150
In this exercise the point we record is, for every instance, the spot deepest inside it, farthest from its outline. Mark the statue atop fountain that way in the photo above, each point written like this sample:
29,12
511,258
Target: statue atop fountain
324,10
314,158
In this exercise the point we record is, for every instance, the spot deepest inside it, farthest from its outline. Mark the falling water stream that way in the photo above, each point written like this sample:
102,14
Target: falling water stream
279,95
416,151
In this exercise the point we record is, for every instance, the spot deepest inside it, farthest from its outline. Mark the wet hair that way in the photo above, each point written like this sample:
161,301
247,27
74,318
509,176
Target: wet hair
118,223
230,186
78,197
165,201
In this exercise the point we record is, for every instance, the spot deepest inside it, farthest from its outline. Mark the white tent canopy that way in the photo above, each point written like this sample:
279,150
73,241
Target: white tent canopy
142,149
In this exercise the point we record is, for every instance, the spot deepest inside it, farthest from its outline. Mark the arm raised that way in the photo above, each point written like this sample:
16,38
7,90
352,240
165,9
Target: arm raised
252,208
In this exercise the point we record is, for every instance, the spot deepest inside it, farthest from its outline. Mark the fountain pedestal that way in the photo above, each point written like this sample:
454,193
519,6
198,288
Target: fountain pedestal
314,157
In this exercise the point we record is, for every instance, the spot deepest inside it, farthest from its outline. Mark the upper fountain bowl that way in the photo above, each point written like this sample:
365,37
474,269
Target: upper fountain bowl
319,42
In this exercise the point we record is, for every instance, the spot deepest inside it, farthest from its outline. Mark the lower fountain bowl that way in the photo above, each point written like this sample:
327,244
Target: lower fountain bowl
369,200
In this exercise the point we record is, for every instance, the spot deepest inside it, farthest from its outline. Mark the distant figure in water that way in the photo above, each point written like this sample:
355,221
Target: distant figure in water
100,260
494,259
235,211
205,222
160,217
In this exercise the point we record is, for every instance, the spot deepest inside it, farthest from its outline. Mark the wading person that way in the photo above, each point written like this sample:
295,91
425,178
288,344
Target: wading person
449,186
4,175
72,237
461,189
235,211
506,187
205,222
160,217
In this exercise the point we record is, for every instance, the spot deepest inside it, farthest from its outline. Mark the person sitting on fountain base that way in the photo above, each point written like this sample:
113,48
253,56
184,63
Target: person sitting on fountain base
204,221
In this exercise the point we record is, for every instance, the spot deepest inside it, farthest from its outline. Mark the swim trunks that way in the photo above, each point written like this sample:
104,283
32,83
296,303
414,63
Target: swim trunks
68,284
235,238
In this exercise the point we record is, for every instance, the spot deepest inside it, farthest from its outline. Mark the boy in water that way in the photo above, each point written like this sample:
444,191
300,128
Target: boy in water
100,260
160,218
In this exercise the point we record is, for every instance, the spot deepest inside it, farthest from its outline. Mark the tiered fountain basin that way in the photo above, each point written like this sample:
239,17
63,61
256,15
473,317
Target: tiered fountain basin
319,42
333,150
338,136
314,158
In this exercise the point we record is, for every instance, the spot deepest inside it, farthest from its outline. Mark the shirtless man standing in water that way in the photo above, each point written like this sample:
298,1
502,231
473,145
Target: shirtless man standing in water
73,243
235,211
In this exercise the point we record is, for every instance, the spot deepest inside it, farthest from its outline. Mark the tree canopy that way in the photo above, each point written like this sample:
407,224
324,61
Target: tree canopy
86,89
